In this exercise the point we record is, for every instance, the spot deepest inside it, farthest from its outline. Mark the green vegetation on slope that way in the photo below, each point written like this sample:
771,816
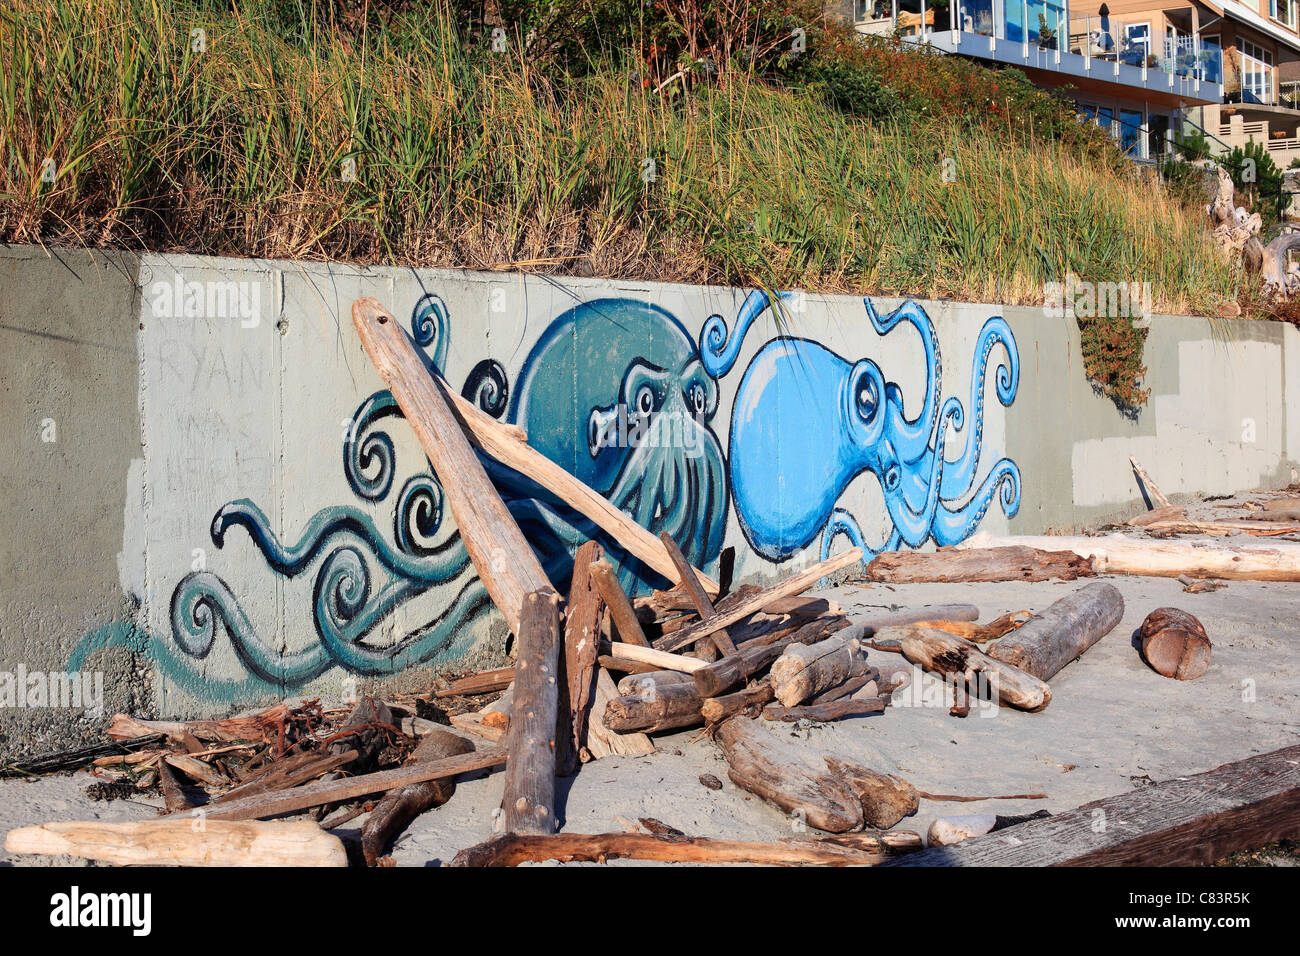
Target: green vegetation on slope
642,148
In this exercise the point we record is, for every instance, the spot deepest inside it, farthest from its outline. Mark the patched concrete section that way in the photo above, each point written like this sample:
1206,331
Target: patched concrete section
68,393
253,519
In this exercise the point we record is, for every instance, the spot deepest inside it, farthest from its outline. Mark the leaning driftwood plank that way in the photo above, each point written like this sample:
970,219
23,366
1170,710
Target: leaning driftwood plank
1157,496
331,791
179,842
772,769
691,585
502,442
1192,820
529,797
511,849
792,585
401,805
950,656
1052,638
987,564
620,609
502,556
1120,554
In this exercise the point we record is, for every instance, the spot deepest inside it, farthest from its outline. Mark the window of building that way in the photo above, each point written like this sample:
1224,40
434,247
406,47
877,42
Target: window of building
1256,73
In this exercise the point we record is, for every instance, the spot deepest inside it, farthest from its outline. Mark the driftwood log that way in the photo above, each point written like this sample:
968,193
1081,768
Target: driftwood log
504,560
825,713
1052,638
1015,563
179,842
512,849
655,708
484,682
717,709
804,670
774,770
529,798
401,805
885,798
1121,554
958,659
1174,643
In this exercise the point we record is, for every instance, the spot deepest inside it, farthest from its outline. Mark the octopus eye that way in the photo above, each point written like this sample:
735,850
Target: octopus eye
867,398
645,400
697,398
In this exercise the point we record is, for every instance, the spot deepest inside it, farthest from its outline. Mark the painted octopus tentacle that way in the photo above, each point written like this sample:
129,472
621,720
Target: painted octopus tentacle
718,352
959,474
911,437
913,524
952,527
841,522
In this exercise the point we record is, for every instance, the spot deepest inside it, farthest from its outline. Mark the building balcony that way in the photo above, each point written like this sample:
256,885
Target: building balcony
1041,38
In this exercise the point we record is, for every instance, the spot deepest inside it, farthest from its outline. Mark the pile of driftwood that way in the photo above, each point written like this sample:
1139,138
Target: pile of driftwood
595,673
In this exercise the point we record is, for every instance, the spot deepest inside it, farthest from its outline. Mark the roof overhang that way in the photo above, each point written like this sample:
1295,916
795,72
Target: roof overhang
1233,10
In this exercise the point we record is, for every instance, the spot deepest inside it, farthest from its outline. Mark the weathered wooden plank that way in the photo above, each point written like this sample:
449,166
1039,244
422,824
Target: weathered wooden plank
1191,820
501,554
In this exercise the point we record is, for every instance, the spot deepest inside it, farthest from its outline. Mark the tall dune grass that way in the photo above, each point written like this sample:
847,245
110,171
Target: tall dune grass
468,158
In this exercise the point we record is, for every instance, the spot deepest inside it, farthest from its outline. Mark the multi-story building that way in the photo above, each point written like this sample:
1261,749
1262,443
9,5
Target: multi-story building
1141,68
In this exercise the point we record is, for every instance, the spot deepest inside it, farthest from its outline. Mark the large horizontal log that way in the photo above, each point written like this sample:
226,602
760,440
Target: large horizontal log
179,842
511,849
1052,638
1187,821
664,707
1016,563
1121,554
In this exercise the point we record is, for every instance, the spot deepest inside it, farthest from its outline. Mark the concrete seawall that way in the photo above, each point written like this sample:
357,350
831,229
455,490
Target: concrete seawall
210,502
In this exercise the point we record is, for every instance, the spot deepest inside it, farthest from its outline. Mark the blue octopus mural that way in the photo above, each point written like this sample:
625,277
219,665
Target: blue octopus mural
593,394
807,421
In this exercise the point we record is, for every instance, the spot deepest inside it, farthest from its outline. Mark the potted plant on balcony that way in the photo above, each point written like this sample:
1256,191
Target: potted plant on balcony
1046,35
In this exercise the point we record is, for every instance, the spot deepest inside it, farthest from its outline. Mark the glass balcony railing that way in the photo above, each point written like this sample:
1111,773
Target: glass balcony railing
1044,24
